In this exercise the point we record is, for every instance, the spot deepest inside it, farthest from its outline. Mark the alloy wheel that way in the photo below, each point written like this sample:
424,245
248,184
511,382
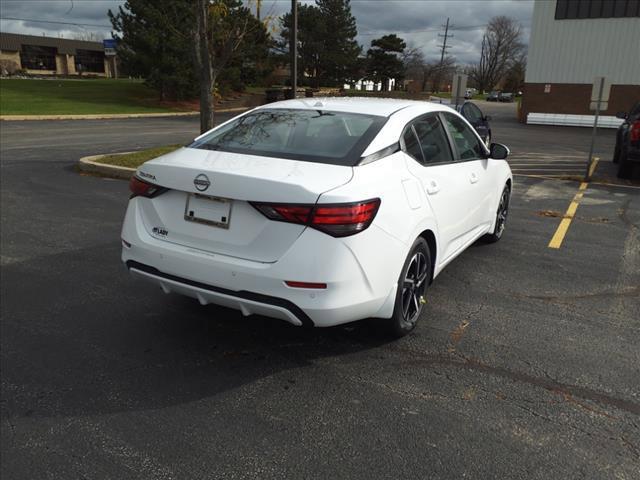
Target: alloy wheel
413,288
503,210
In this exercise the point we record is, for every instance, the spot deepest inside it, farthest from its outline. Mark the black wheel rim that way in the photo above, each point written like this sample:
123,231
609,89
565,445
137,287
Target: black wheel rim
413,288
503,210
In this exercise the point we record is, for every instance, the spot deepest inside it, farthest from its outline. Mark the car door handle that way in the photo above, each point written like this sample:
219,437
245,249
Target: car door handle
433,187
473,178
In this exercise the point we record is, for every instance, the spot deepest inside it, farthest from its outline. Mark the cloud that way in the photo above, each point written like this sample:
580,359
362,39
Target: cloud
417,21
90,17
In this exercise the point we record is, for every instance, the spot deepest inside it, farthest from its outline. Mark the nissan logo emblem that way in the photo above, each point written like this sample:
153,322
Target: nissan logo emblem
201,182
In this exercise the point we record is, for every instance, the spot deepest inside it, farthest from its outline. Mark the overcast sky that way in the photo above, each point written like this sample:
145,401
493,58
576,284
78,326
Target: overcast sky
417,21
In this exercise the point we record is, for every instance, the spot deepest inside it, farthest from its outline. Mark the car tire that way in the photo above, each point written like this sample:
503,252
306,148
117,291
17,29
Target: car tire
625,167
501,217
412,286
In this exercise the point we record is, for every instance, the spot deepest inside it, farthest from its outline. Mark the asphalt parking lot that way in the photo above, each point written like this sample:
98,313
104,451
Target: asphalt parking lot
526,363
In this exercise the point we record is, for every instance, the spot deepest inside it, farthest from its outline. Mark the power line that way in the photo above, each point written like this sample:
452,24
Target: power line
466,28
55,22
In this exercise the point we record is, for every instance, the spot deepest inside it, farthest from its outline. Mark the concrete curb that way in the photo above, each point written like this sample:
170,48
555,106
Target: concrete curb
111,116
90,165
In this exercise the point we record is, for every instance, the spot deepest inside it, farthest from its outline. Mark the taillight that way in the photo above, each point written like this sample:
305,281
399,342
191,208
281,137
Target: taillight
140,188
337,220
285,213
634,133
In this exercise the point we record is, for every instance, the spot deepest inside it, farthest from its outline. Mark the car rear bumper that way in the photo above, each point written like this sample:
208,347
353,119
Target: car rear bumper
249,303
360,273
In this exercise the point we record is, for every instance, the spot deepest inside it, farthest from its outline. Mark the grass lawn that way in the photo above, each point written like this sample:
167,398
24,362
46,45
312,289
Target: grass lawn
135,159
67,97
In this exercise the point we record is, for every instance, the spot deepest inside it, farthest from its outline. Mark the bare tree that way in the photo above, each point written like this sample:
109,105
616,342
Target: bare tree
203,60
514,78
501,46
436,72
427,74
218,34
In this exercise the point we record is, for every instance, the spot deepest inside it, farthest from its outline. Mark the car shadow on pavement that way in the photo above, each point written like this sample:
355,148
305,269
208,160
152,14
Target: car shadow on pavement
101,342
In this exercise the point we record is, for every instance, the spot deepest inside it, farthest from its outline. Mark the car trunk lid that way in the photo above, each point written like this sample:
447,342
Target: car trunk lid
207,206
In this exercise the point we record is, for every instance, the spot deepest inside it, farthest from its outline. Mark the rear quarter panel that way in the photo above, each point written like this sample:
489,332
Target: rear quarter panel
402,216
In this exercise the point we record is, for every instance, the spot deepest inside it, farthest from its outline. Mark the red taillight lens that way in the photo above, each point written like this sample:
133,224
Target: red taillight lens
284,213
337,220
634,133
140,188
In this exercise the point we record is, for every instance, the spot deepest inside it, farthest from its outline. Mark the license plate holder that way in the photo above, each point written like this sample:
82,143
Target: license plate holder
207,210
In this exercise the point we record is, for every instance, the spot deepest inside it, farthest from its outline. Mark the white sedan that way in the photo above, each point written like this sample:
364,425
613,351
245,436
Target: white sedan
318,211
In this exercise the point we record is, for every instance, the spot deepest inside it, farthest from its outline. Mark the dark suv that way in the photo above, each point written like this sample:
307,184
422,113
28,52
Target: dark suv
627,152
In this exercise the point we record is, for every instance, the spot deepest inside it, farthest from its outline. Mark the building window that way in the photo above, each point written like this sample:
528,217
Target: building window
34,57
89,61
572,9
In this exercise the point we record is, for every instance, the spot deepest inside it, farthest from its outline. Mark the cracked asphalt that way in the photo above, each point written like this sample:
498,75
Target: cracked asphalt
526,363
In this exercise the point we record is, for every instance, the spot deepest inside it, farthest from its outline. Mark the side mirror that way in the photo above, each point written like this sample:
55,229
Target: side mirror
497,151
487,118
622,115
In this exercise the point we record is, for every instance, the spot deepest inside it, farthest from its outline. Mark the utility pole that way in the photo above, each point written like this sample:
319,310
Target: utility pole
258,2
293,47
444,46
444,42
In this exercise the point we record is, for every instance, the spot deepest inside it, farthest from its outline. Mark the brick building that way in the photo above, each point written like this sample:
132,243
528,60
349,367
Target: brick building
53,56
573,41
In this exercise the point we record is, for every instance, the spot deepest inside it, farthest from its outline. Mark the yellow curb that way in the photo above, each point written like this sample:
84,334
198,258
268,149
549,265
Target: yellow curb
90,164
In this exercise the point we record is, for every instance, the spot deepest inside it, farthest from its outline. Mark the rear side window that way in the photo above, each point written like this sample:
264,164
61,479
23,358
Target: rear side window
467,143
433,140
337,138
411,145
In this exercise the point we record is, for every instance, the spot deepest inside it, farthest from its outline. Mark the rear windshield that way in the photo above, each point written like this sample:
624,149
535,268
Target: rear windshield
318,136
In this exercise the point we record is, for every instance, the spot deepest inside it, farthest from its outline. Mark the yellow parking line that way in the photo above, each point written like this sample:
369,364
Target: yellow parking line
558,237
594,164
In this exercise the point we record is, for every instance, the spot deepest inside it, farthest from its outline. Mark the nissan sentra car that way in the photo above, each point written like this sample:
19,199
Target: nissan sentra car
318,211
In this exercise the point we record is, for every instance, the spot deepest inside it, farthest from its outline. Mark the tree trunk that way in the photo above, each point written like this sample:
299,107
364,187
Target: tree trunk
204,66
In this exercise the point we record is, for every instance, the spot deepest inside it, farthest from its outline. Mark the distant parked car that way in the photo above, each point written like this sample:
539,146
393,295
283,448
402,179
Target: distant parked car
469,93
506,97
478,120
627,151
493,96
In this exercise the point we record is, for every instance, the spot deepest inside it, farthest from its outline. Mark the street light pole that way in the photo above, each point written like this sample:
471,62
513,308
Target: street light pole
293,47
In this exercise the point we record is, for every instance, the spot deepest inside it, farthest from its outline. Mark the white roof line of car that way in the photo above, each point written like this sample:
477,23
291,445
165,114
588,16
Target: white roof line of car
385,107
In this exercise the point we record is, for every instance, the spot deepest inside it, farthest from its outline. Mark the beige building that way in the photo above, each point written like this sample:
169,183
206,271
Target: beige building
574,41
53,56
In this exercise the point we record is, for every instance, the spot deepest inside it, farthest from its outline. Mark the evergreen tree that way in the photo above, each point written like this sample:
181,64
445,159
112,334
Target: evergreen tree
384,59
152,44
327,49
156,42
311,36
341,49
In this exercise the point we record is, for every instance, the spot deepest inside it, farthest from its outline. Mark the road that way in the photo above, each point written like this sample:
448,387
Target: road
525,364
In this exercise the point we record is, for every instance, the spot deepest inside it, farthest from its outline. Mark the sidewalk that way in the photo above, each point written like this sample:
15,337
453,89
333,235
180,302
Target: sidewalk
112,116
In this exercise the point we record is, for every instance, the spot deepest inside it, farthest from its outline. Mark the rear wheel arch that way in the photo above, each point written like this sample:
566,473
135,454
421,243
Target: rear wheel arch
430,238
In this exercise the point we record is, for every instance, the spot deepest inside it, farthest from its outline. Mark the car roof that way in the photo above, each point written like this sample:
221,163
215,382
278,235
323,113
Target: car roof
383,107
